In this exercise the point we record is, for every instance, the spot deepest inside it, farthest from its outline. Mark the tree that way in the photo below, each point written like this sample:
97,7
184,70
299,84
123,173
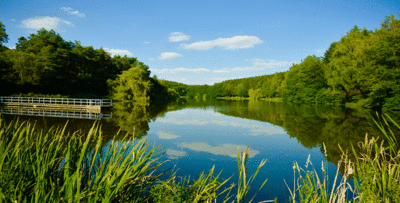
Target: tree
347,63
255,94
132,85
3,34
304,80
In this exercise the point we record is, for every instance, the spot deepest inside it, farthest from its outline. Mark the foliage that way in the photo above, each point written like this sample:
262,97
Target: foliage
375,173
205,189
73,168
132,85
44,63
304,80
392,103
77,167
362,69
378,173
312,188
255,94
244,182
3,34
31,94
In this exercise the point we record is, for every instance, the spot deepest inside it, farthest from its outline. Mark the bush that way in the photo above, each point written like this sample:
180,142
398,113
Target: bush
392,103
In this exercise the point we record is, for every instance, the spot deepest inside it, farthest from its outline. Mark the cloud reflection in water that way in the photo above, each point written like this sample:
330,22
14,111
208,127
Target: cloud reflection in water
224,149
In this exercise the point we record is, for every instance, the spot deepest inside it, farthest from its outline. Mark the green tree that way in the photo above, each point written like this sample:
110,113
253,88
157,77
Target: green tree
304,80
132,85
347,63
255,94
3,34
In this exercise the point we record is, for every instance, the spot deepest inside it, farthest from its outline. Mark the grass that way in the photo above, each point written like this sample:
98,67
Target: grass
375,173
51,165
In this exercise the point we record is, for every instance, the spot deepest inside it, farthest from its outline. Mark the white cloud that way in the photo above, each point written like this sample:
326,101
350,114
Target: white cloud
114,52
169,56
224,149
220,79
151,59
258,64
181,70
270,63
178,36
146,42
236,42
70,11
45,22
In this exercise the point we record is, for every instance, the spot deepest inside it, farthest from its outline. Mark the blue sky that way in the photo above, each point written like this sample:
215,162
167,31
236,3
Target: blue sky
199,42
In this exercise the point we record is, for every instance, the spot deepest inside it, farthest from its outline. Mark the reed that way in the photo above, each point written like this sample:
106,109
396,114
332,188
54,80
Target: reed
310,187
385,127
375,173
54,166
209,188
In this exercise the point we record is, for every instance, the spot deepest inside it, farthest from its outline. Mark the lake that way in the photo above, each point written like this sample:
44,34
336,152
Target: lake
199,134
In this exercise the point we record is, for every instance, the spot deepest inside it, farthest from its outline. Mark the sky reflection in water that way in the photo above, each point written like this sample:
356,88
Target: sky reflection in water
198,138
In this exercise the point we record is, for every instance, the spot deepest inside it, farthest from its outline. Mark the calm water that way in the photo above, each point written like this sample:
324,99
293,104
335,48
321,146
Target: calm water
199,134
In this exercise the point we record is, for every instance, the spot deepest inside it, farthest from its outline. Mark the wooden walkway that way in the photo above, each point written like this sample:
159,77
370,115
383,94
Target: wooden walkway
88,105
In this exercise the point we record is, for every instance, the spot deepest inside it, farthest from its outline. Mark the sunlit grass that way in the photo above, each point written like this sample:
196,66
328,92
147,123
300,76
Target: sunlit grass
39,165
51,166
375,173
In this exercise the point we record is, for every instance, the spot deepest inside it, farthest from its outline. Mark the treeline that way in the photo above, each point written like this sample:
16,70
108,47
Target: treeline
44,63
361,70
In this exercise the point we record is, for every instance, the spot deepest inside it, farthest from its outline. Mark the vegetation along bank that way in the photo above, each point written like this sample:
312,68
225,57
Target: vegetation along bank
360,70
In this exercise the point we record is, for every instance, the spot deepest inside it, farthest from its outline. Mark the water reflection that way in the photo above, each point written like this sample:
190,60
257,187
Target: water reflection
314,125
204,133
175,154
222,149
135,118
310,125
60,113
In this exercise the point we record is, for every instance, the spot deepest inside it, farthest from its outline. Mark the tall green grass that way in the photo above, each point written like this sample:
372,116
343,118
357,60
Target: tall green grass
375,173
40,165
53,166
209,188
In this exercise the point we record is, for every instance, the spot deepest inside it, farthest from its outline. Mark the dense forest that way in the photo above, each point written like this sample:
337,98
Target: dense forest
46,64
360,70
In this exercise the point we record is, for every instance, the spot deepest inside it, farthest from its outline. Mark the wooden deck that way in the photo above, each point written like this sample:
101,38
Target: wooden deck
88,105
